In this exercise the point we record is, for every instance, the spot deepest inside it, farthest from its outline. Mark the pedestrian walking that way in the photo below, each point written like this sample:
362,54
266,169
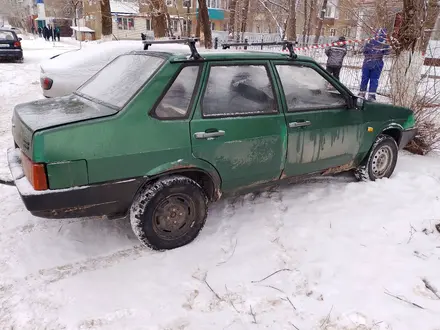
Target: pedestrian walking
33,29
57,33
51,33
46,33
335,57
39,31
374,51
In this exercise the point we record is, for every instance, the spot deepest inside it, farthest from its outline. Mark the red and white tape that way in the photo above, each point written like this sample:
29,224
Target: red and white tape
336,43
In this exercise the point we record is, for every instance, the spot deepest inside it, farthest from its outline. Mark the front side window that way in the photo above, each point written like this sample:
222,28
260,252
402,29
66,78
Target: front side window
238,90
306,89
176,102
117,83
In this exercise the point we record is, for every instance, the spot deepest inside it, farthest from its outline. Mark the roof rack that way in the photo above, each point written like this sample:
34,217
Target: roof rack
286,44
190,41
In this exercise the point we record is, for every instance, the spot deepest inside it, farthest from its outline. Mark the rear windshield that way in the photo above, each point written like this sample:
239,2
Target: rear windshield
7,36
121,79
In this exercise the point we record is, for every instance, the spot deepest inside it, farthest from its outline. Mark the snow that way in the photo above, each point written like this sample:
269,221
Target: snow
343,245
119,7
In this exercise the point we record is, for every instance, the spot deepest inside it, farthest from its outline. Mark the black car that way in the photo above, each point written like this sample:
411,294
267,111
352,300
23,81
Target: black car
10,45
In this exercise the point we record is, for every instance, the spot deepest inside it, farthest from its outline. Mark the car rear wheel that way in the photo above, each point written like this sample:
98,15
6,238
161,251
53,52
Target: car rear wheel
169,213
381,161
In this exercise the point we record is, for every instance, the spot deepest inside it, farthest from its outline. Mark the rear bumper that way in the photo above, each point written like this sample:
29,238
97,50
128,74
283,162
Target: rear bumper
407,136
109,199
11,53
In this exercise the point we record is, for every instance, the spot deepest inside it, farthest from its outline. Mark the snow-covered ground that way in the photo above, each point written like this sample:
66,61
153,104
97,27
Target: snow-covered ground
317,255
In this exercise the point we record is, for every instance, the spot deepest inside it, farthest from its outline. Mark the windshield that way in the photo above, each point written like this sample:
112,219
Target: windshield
121,79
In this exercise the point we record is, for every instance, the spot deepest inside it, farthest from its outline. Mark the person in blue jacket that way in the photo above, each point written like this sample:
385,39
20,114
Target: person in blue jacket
374,51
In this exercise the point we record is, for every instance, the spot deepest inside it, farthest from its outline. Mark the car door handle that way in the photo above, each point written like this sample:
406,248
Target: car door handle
295,124
208,135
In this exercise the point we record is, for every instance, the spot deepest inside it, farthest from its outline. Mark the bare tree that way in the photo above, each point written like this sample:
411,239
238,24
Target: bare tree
205,23
291,21
232,7
320,21
409,45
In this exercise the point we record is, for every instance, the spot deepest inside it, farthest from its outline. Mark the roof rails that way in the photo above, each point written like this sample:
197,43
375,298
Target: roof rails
190,41
285,44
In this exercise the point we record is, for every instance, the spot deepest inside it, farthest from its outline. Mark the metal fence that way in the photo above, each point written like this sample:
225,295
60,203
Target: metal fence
351,73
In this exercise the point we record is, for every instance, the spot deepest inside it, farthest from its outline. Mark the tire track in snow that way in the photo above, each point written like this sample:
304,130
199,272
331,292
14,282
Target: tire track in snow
58,273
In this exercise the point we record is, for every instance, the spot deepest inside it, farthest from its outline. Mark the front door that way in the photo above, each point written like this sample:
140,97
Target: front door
238,126
324,131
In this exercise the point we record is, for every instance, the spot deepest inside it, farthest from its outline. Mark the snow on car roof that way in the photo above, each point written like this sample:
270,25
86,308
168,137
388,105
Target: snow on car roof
90,55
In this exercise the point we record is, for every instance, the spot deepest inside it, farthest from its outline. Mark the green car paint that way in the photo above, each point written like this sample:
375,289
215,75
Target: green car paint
87,143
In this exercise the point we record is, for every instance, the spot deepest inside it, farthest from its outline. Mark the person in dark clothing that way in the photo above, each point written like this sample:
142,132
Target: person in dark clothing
46,33
57,33
374,51
39,31
51,33
335,57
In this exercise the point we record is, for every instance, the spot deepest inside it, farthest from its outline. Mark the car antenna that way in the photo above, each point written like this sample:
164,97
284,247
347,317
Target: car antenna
191,42
285,44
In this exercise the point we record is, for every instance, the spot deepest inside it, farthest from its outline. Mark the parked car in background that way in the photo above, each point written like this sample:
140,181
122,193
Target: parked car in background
10,45
159,135
63,74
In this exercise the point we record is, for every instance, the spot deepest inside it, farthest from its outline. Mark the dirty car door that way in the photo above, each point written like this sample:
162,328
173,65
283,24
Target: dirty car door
237,126
324,130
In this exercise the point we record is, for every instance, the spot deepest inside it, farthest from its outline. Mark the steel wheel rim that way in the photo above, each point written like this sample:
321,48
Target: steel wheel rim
382,160
174,216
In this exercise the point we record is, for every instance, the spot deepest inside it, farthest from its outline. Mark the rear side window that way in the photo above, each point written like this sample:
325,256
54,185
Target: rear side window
7,36
176,101
119,81
306,89
238,90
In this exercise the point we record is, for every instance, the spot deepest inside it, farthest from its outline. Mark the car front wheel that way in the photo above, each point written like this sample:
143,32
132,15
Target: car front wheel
169,213
381,161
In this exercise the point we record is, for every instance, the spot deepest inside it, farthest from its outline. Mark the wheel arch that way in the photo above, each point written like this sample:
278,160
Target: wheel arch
199,171
393,130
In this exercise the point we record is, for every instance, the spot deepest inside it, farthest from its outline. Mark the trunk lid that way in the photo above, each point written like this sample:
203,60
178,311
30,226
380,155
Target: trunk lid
43,114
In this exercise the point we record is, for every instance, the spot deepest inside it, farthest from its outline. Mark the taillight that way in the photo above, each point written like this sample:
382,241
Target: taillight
17,44
35,173
46,83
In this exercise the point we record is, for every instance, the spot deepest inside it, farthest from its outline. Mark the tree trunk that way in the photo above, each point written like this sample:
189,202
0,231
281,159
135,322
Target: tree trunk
106,19
244,16
231,27
321,21
291,21
312,15
409,46
305,22
159,18
205,23
198,26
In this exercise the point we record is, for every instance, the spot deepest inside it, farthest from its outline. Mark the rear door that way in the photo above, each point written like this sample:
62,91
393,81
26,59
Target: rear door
238,126
324,129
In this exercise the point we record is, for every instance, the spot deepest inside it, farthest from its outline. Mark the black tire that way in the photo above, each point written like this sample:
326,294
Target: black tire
155,207
377,165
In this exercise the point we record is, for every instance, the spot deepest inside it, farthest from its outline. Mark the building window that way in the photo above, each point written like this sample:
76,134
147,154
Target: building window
149,25
332,32
330,12
171,3
125,23
346,32
186,3
213,3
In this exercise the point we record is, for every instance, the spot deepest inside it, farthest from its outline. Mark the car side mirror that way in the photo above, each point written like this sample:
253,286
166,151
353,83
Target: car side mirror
359,103
20,39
